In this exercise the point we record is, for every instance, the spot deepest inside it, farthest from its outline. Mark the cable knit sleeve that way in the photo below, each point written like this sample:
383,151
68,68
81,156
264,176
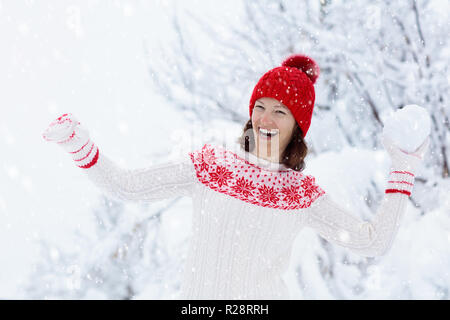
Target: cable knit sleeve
157,182
365,238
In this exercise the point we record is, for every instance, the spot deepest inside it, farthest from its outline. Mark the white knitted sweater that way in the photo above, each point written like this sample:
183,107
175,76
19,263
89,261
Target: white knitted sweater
247,212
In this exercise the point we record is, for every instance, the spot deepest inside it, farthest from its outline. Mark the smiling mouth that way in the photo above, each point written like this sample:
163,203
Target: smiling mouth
267,134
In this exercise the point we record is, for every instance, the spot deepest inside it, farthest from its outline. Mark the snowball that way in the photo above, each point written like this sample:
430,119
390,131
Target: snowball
408,127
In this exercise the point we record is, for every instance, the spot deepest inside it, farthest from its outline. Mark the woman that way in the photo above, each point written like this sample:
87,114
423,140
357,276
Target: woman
249,205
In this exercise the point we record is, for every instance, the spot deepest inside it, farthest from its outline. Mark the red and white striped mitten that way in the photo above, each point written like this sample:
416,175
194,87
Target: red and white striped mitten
70,134
403,166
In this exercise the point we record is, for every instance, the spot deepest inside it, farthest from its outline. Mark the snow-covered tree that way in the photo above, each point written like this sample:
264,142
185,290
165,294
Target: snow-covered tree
126,256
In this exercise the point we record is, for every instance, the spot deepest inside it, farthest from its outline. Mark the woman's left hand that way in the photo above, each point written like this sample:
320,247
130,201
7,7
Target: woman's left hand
402,160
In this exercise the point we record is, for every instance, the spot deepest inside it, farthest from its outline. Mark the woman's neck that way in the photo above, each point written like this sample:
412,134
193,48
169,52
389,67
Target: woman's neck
251,157
273,158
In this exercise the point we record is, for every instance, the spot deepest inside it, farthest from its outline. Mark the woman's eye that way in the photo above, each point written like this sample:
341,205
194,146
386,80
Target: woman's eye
258,106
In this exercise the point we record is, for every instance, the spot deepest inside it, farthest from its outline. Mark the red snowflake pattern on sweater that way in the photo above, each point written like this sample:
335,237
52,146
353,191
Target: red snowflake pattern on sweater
224,171
244,187
310,188
292,194
221,176
268,194
205,159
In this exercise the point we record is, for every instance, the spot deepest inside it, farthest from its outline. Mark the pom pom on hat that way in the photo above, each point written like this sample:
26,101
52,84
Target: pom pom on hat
303,63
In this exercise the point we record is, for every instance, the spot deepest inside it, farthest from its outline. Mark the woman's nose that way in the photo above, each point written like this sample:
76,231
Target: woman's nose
266,118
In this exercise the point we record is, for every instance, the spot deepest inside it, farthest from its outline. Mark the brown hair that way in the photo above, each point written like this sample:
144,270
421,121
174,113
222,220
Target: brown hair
294,154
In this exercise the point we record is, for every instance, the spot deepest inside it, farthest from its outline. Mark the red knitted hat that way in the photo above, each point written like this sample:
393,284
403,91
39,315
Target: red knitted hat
293,85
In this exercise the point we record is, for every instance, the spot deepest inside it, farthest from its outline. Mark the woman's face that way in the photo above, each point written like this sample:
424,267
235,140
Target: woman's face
271,116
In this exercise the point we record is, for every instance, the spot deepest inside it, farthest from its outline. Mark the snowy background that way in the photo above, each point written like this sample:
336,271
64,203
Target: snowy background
151,79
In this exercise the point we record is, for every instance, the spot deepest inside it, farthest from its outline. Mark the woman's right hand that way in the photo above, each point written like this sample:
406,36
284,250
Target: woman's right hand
71,135
60,129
